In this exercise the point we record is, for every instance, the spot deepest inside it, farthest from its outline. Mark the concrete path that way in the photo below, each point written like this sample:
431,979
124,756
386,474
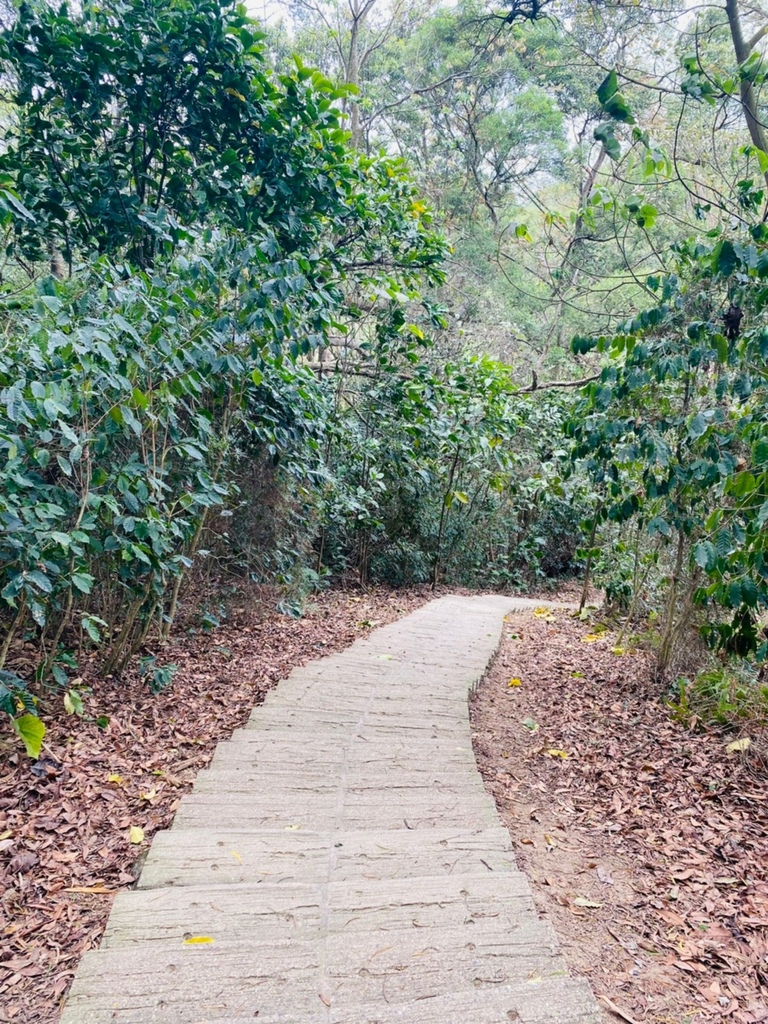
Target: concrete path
340,861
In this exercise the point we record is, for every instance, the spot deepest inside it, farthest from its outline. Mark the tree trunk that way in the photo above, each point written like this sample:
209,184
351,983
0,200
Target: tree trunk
667,645
353,78
588,569
742,49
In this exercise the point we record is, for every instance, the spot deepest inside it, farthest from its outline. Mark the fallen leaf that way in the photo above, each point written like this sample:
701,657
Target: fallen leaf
24,861
738,745
582,901
554,752
515,681
530,724
136,835
198,940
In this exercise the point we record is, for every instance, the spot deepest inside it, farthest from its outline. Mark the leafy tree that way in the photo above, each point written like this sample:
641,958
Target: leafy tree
213,243
675,432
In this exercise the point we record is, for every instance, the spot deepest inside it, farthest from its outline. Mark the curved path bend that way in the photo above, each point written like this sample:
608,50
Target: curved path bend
340,860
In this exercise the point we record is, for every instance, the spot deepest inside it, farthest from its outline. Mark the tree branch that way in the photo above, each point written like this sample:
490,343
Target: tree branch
535,386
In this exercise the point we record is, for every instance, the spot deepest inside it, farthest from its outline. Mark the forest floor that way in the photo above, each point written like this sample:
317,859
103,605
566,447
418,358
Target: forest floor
646,844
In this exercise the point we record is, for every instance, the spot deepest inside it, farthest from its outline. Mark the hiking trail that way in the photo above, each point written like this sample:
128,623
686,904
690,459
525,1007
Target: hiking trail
340,861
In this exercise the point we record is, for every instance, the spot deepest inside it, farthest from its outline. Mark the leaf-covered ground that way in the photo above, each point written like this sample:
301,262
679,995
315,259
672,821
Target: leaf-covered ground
66,822
646,844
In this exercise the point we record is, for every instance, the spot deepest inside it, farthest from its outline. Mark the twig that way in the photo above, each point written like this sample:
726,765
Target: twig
615,1009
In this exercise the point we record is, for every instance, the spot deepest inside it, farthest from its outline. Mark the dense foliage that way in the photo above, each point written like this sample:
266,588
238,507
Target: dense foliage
237,348
216,349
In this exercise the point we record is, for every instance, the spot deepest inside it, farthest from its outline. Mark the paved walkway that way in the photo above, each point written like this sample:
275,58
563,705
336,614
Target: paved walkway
340,861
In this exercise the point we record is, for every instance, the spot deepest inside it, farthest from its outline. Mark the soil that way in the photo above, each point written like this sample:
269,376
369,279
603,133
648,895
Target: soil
646,844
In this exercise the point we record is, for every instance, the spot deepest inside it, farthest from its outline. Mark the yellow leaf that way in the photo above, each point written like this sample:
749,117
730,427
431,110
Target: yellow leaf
236,855
150,795
618,651
136,835
236,94
515,682
554,752
197,940
738,745
292,828
117,779
590,638
582,901
543,613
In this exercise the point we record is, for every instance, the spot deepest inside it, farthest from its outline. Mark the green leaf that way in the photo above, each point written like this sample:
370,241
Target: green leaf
724,543
91,625
725,258
743,484
608,87
40,580
705,555
618,108
31,731
606,134
760,453
697,426
17,206
749,593
73,703
59,675
82,581
646,215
